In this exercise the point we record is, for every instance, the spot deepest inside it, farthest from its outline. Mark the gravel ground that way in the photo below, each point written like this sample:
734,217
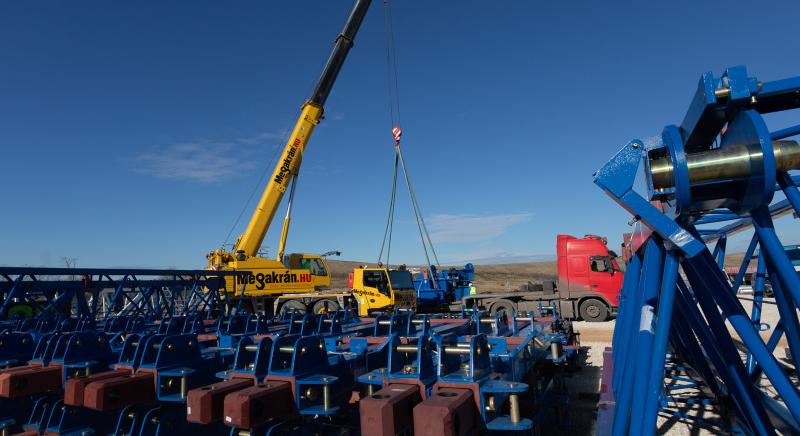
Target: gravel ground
584,384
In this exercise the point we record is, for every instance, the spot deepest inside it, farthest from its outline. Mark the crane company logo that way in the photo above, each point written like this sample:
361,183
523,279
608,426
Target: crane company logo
285,168
365,293
261,279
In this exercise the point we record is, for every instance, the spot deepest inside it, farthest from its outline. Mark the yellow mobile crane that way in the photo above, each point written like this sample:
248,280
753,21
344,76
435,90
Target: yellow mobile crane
298,281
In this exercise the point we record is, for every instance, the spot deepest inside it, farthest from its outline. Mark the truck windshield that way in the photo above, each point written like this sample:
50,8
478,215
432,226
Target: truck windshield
401,280
315,265
602,264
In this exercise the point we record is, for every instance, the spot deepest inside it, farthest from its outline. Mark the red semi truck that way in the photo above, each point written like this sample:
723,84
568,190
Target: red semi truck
589,281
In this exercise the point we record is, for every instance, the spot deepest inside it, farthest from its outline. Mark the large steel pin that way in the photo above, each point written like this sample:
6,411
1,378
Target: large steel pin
326,393
184,386
732,162
513,405
555,350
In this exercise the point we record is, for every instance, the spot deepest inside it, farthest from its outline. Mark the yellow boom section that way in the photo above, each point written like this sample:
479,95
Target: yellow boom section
247,245
288,165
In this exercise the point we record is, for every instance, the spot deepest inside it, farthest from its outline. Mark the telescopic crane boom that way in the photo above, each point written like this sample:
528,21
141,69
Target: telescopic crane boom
289,164
301,273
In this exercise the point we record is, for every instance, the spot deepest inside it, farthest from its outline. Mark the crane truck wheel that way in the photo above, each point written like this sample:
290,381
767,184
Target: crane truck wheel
593,310
294,306
501,305
325,305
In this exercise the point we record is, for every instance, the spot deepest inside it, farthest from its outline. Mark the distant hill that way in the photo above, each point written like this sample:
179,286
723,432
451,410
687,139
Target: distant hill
510,276
491,276
494,277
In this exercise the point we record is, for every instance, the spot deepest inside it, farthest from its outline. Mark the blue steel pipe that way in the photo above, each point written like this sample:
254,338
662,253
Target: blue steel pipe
762,222
715,285
658,356
719,251
625,316
728,364
687,307
785,133
748,255
758,298
622,413
788,315
789,84
646,335
774,338
716,218
684,335
789,187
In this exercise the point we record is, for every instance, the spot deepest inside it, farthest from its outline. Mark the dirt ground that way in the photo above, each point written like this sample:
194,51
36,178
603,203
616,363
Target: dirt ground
584,384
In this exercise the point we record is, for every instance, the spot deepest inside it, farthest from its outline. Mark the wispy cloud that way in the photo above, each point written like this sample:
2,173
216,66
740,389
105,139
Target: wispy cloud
331,117
487,257
203,161
261,138
472,228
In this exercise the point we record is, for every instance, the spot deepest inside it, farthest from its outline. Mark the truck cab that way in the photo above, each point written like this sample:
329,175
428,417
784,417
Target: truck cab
381,289
316,264
589,281
588,273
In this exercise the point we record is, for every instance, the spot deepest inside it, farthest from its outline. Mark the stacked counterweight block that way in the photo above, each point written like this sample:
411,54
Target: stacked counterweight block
397,373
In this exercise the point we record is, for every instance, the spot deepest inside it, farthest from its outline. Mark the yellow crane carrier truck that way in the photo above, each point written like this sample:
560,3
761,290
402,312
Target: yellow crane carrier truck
302,282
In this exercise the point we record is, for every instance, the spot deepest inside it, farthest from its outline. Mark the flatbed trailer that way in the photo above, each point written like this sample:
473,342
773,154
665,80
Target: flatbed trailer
524,301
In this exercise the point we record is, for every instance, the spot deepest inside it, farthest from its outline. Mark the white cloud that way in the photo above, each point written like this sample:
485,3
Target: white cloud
207,161
472,228
261,138
194,161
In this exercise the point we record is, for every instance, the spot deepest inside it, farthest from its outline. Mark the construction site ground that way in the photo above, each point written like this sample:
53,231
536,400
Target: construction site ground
584,384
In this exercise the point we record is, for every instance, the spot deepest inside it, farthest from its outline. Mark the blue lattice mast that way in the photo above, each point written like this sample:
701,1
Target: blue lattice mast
721,165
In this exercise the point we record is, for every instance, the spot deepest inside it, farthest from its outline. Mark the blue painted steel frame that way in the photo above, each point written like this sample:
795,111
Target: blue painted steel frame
662,315
137,292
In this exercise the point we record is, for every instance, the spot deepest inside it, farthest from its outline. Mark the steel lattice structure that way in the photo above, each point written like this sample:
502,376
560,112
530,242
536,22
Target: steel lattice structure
681,320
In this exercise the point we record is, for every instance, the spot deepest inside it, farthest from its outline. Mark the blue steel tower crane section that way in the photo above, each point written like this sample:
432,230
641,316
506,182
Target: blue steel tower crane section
721,164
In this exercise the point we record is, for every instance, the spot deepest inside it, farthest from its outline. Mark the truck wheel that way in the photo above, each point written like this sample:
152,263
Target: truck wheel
593,310
501,305
325,305
294,306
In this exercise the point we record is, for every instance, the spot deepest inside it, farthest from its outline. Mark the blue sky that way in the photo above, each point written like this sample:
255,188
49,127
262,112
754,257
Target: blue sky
133,133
